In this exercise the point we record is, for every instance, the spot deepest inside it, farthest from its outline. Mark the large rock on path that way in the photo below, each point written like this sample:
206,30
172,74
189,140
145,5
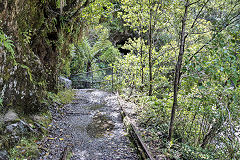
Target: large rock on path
67,83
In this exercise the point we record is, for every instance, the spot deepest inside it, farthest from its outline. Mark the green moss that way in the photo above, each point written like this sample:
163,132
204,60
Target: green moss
6,76
47,119
63,97
33,44
31,17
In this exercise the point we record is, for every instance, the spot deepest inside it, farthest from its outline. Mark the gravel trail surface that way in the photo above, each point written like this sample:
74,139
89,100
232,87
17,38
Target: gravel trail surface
90,128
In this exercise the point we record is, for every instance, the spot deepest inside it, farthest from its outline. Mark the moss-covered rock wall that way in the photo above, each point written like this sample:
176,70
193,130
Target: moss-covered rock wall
37,31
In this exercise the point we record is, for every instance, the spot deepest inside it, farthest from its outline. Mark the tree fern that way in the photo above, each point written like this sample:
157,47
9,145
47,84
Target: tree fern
97,48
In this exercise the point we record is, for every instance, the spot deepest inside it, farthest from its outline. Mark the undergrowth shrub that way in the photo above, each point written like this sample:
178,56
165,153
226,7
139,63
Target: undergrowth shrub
27,148
63,97
195,153
154,117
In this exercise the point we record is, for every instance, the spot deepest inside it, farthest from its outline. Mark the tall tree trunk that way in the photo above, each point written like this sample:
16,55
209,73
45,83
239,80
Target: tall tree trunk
141,57
177,72
150,51
141,50
89,65
142,71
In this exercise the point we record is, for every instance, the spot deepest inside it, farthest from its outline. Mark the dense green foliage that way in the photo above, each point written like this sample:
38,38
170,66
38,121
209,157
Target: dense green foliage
195,41
93,52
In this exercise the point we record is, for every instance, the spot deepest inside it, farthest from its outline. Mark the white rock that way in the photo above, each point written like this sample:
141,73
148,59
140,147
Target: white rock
10,116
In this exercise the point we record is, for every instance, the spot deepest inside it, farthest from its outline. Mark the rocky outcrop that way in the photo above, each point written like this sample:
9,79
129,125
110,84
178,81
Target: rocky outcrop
38,48
22,74
13,125
18,129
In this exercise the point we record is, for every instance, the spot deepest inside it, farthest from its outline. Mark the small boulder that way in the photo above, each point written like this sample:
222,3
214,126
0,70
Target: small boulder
11,128
19,128
4,155
10,116
67,83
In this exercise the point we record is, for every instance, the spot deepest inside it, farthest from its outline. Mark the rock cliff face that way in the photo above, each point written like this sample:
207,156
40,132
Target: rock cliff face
35,29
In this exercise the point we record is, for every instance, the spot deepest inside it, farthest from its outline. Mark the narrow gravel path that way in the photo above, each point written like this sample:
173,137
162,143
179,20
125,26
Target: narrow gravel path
91,127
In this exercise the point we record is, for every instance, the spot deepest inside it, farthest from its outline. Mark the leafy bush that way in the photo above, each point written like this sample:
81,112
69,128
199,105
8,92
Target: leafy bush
193,153
154,111
25,149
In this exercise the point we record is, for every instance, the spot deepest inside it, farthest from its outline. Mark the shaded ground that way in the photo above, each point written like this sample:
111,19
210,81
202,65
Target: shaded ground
91,127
